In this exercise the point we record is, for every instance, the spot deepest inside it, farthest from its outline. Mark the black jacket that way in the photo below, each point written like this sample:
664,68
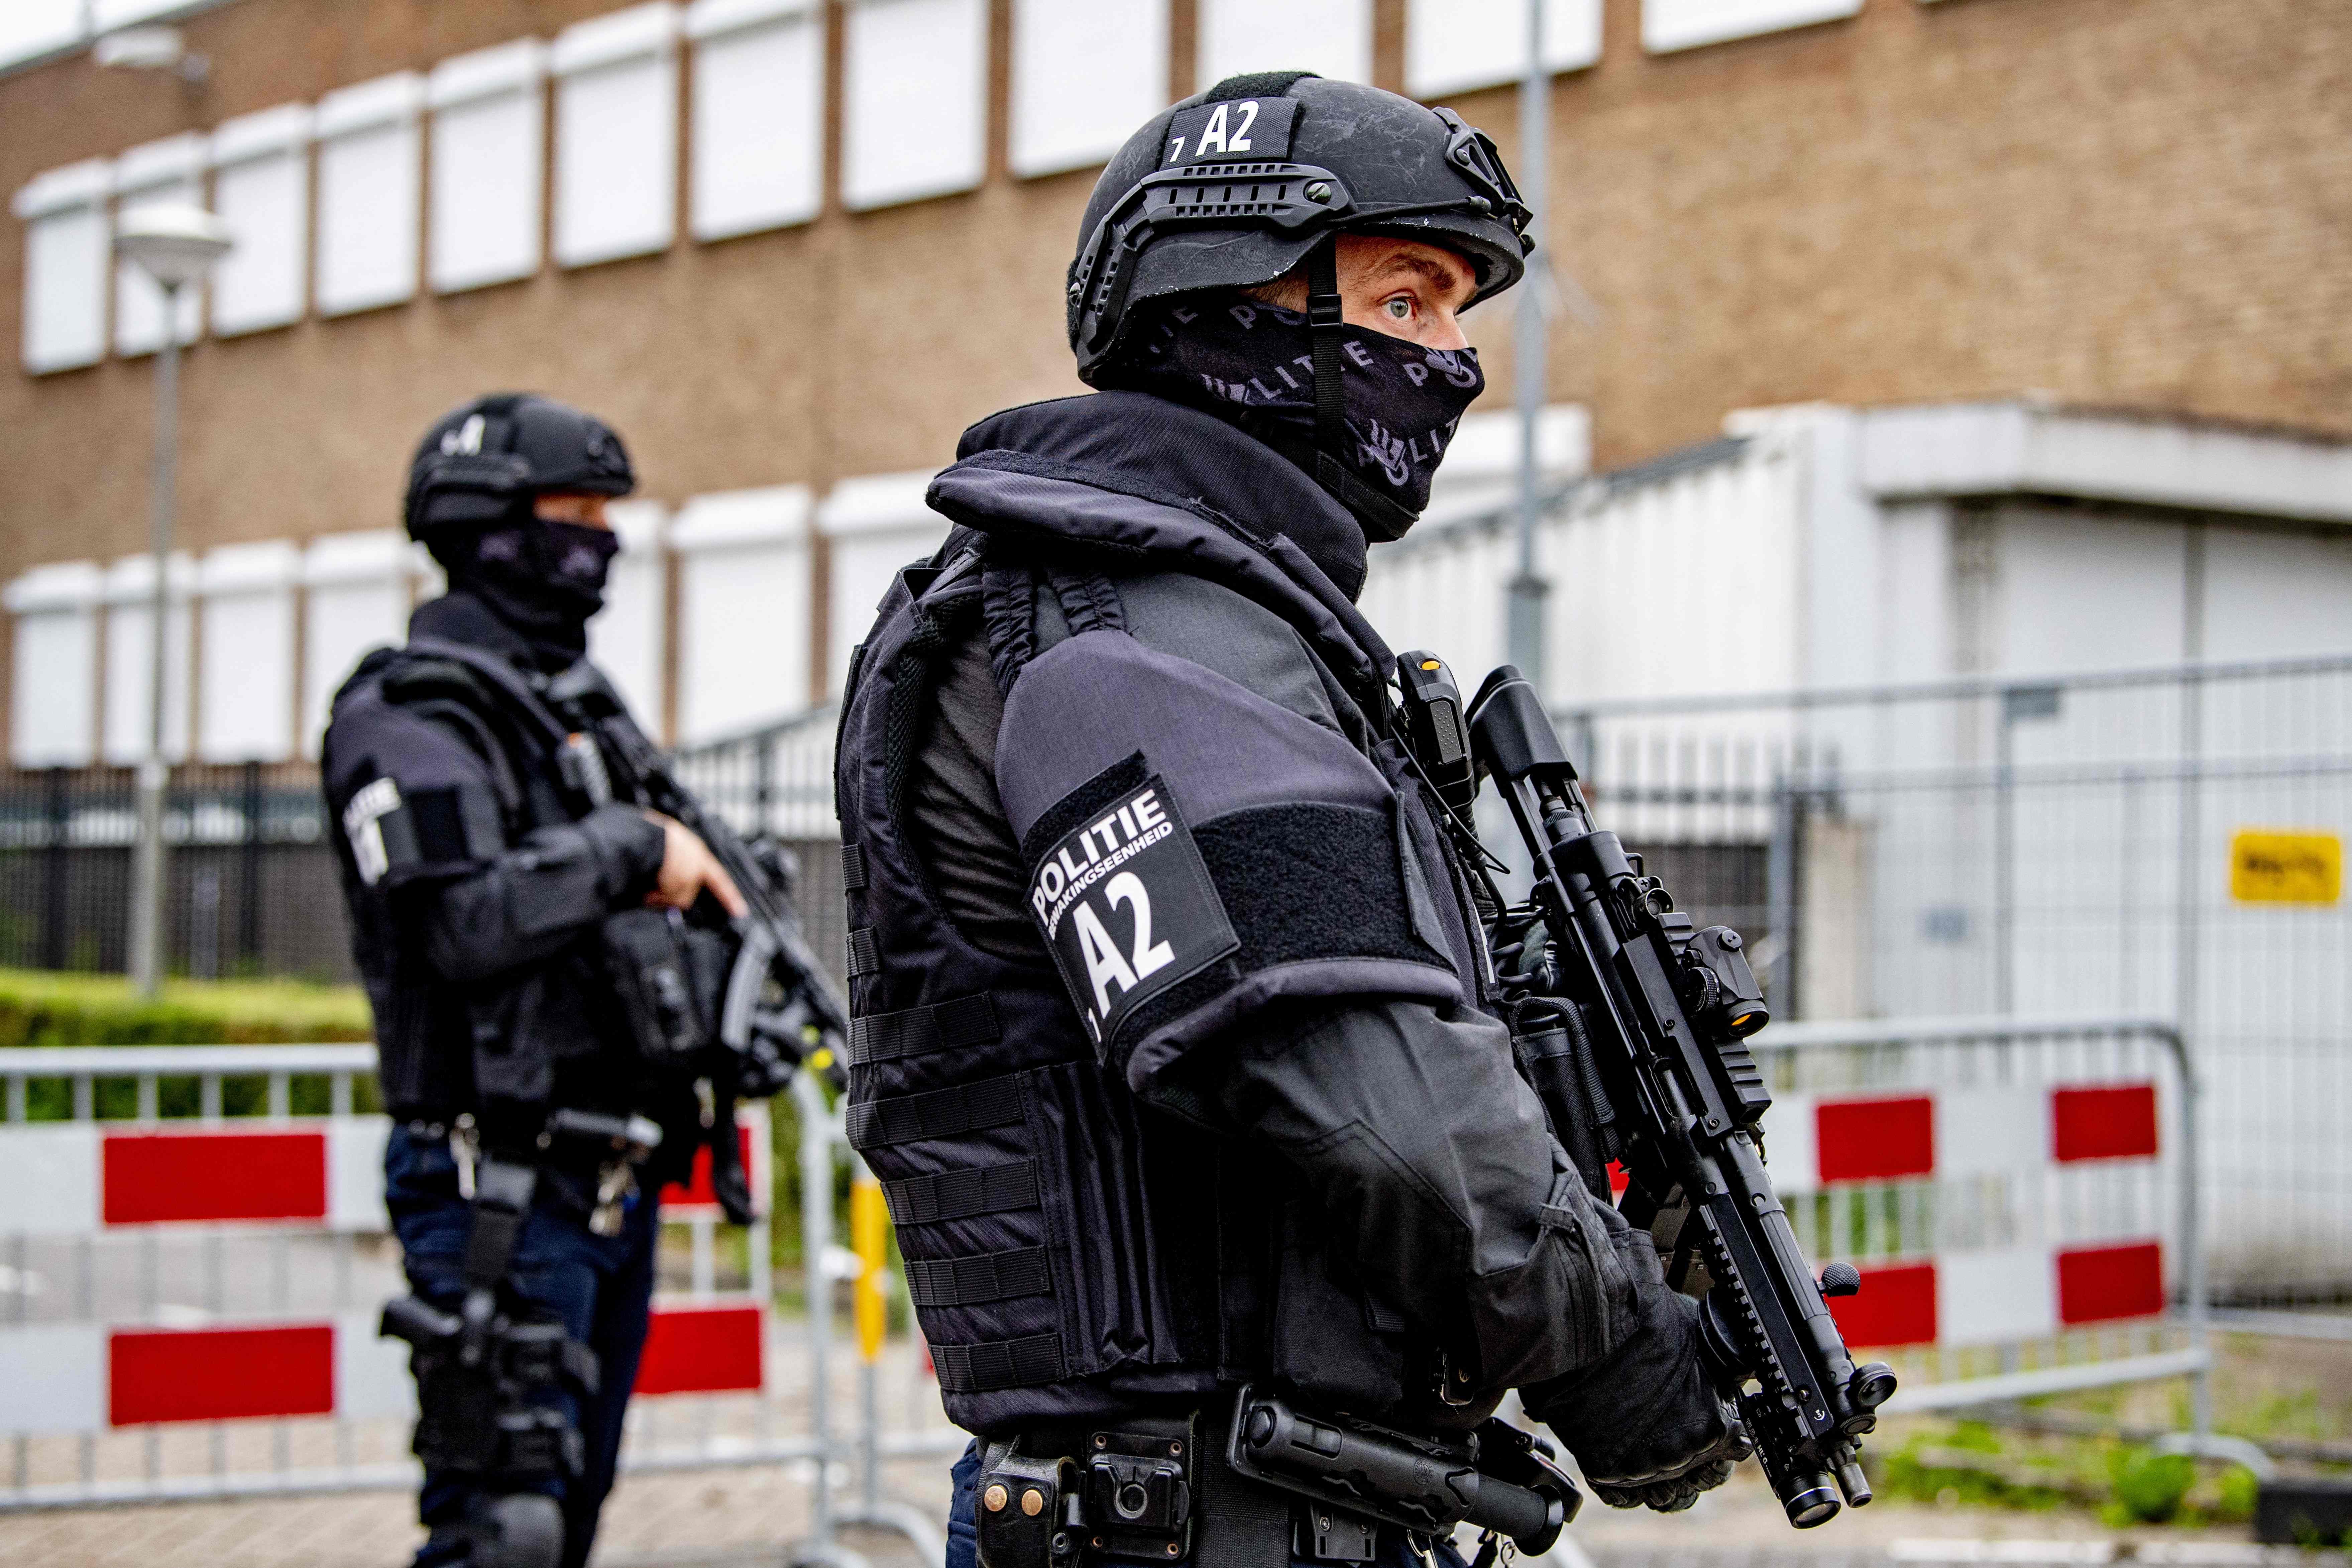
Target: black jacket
1312,1158
476,879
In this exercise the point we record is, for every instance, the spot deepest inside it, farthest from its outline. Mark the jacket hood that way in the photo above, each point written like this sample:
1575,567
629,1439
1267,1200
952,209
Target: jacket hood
1137,477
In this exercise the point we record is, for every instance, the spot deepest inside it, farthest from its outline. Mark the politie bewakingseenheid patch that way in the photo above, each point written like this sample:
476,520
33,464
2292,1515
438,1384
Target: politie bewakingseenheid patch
1126,906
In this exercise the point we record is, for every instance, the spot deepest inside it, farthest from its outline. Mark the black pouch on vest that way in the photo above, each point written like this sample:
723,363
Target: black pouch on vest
663,982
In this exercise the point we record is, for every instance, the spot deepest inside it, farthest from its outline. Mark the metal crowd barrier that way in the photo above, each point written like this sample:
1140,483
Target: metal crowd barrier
2023,1199
190,1272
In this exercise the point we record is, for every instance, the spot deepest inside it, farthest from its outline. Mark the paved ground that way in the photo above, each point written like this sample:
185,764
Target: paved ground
727,1518
732,1517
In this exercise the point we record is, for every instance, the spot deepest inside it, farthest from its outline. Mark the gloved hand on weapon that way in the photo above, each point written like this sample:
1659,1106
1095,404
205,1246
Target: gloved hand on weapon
1645,1425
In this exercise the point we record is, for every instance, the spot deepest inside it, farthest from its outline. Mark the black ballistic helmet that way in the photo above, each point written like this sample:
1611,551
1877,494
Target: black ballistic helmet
480,464
1236,186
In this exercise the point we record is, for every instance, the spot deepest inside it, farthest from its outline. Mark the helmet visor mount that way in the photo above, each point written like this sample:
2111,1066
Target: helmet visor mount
1294,199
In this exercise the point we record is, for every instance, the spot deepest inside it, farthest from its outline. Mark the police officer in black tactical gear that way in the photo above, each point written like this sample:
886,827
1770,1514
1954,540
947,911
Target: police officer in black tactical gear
1176,1043
510,898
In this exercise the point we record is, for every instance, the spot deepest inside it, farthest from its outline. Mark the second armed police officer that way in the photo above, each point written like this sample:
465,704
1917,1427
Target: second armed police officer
487,842
1176,1043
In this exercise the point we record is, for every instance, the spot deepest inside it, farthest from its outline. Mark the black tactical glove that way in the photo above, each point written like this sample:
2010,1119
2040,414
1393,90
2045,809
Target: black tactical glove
1644,1423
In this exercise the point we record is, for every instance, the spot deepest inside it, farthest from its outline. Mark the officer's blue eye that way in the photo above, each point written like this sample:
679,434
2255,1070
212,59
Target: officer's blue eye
1401,308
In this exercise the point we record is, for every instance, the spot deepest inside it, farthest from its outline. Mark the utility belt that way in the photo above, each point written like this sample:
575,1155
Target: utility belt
1255,1482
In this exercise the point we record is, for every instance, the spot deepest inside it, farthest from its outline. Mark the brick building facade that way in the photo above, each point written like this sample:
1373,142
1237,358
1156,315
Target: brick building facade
2119,202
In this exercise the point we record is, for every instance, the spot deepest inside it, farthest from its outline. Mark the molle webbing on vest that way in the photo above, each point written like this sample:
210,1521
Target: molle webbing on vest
853,867
865,958
939,1113
915,1031
978,1278
962,1194
1000,1363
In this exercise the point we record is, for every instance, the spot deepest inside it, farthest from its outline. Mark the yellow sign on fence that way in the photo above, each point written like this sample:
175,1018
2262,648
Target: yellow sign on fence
2273,865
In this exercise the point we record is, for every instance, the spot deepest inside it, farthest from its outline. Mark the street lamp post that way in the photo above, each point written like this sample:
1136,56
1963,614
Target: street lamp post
1523,619
175,244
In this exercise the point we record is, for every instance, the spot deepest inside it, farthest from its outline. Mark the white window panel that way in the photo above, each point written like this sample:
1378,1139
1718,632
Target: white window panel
625,637
743,610
357,590
616,136
490,160
1669,25
759,114
368,194
1086,74
262,188
1455,46
245,683
872,526
165,171
130,614
30,27
66,243
1329,37
916,83
105,16
53,699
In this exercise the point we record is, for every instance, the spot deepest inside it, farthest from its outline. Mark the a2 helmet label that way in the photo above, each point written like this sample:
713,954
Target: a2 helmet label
1253,129
1127,907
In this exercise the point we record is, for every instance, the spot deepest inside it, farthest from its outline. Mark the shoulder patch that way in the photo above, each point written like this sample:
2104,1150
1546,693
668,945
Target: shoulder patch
376,843
1118,887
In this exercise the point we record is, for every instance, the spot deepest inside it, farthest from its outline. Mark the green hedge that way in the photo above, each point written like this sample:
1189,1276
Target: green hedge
40,1007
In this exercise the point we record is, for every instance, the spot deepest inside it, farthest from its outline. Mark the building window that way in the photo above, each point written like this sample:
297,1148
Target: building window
742,609
626,639
1669,25
872,526
53,698
1085,73
165,171
1457,46
368,196
616,136
915,119
490,159
262,188
130,620
245,685
1329,37
64,214
357,589
759,114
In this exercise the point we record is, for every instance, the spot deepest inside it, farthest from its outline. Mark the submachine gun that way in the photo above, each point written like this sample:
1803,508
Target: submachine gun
1630,1026
778,1008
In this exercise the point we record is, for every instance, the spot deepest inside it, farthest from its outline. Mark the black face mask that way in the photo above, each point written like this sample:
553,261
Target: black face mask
543,579
1254,365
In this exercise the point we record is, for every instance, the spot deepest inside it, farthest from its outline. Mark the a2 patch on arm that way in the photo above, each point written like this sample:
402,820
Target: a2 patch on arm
1122,896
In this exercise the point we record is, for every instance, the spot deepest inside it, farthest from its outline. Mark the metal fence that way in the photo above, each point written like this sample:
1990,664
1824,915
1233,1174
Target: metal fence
71,1294
2060,845
252,885
1988,844
2021,1195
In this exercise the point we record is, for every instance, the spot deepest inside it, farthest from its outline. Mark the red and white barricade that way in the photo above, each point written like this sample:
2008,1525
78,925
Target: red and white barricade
88,1207
2008,1190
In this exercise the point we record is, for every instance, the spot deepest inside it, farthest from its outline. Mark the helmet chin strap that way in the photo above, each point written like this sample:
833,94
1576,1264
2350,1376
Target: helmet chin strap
1382,519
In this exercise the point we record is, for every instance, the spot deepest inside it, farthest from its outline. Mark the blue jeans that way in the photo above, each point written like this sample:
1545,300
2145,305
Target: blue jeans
964,1540
599,1287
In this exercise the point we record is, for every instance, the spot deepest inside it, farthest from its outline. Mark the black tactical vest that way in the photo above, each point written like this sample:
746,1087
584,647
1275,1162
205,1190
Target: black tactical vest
1070,1252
